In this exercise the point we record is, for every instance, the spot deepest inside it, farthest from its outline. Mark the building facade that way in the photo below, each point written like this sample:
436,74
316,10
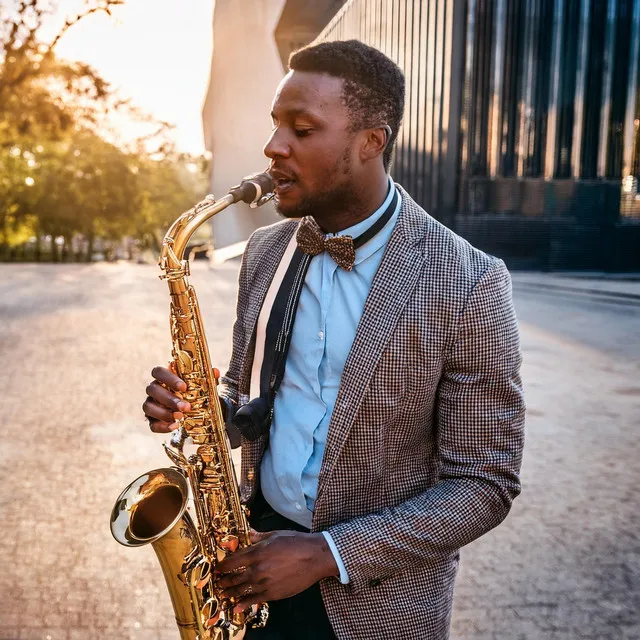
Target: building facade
245,70
521,128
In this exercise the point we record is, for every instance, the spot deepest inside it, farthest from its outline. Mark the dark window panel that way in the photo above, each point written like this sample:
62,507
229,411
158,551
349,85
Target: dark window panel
511,87
615,147
436,104
566,102
593,92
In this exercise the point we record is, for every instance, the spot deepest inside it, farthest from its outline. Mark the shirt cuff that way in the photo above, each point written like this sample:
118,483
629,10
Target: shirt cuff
344,576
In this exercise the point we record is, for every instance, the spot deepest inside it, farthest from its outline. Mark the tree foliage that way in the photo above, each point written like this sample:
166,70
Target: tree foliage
63,174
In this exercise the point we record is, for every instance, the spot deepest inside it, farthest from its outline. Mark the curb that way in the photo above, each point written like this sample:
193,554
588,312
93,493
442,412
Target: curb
618,297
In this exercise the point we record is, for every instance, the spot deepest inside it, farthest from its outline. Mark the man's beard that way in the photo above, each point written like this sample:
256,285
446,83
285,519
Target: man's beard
340,197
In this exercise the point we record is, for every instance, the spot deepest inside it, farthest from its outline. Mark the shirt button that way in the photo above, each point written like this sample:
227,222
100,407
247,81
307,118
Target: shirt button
298,506
321,334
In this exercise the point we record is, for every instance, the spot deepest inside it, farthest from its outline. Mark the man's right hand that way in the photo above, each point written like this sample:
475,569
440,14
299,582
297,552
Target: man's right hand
164,404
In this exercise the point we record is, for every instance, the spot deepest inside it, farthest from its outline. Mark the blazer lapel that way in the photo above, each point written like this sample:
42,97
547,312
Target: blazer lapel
390,291
261,270
260,277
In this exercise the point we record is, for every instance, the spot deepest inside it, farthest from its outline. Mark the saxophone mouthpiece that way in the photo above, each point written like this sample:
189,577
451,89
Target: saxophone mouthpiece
254,190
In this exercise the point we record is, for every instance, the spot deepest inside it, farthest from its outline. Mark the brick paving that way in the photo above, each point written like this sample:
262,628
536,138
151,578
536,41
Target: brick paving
76,345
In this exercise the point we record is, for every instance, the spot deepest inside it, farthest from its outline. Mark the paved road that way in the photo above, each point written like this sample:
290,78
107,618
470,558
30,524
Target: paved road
76,343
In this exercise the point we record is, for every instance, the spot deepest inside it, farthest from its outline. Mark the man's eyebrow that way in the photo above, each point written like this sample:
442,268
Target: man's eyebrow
294,112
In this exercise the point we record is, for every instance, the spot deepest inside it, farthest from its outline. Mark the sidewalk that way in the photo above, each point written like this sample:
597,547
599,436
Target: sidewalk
621,288
78,342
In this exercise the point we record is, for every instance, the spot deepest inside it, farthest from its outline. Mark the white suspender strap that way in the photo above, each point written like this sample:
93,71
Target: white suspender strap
265,313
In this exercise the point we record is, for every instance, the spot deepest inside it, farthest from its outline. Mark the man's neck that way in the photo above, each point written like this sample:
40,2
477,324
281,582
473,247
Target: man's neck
368,199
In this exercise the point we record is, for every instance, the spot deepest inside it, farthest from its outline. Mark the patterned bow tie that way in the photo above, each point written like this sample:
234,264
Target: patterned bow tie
312,241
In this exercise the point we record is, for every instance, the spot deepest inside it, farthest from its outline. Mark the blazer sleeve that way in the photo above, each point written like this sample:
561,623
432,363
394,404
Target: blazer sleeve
480,429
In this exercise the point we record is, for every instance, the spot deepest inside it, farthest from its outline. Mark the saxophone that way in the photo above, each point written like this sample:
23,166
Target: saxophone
153,508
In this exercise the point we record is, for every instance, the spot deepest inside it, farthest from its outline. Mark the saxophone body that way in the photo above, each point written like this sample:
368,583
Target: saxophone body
191,513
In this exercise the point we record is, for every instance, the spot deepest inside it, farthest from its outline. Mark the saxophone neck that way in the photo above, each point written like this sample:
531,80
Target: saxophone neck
254,190
177,237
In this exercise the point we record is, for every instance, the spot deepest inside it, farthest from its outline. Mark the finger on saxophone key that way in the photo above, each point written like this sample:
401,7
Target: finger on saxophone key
160,426
164,404
166,389
165,376
183,408
168,401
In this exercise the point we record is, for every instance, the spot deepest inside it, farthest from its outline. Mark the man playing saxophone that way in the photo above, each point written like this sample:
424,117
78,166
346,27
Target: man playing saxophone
396,431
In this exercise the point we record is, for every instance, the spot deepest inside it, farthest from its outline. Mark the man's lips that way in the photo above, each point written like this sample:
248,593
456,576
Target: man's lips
282,181
283,186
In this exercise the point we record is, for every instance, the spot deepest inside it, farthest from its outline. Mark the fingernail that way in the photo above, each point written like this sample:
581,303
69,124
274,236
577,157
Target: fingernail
184,406
182,385
177,415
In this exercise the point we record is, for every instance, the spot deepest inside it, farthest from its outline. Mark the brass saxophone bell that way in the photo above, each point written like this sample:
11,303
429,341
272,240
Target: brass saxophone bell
149,507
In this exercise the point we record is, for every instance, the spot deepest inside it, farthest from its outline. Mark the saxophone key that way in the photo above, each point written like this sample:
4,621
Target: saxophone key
229,543
211,613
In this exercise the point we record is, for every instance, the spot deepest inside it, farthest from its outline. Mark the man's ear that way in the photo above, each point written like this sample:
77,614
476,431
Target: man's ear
375,142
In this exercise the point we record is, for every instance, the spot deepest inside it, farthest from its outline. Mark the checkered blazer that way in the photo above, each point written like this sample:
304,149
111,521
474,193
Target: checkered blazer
425,442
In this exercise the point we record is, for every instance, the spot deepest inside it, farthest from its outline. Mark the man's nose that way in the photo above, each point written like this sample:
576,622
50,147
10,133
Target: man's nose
277,146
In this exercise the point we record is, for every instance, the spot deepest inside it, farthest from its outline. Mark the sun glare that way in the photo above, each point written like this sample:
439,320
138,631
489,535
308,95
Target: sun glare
156,52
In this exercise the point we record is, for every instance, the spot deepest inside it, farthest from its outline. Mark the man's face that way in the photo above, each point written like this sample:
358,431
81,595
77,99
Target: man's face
311,147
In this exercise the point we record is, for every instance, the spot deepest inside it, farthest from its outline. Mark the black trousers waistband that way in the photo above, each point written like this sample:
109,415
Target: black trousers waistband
264,518
302,616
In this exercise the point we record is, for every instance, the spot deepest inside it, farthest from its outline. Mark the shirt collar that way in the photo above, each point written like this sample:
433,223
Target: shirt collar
382,236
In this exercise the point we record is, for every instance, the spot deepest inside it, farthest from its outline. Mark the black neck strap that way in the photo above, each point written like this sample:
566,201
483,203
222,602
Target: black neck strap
280,328
379,224
285,306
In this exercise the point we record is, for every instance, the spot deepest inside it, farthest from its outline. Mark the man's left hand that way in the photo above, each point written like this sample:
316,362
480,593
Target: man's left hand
277,565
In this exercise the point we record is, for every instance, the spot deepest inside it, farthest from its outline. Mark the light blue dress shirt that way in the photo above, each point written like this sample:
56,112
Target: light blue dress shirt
330,307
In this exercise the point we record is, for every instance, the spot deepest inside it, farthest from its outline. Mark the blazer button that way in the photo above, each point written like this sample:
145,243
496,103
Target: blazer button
375,582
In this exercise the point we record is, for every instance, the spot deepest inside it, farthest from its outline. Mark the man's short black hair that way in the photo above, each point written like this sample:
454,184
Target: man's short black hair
373,84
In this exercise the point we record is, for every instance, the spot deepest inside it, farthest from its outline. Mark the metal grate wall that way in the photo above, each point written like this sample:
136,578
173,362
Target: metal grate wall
521,122
420,36
550,88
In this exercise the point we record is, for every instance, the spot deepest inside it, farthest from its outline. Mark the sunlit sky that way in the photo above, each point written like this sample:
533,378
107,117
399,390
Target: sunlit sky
156,52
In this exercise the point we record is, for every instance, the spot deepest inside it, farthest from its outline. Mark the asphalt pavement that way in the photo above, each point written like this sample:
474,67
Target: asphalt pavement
77,343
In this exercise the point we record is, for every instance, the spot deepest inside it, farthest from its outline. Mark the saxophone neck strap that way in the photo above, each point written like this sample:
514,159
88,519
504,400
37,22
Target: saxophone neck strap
277,316
280,325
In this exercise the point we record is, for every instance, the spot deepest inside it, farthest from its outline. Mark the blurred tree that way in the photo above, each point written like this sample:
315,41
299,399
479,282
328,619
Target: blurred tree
63,170
39,94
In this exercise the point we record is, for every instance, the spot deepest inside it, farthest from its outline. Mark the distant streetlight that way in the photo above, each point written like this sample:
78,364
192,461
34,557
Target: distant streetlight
29,181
